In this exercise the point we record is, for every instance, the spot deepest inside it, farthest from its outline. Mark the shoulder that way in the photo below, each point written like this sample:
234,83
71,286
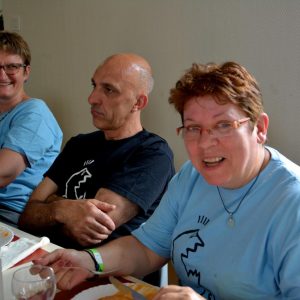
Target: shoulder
153,141
187,173
282,166
32,104
151,137
35,109
280,186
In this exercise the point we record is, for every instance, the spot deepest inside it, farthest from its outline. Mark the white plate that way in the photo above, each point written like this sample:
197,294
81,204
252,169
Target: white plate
6,235
96,292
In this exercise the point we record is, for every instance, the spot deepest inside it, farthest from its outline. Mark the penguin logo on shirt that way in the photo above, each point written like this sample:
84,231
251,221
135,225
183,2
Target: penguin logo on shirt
75,184
194,243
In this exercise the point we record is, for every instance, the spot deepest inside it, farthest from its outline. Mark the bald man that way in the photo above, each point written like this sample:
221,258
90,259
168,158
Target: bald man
106,183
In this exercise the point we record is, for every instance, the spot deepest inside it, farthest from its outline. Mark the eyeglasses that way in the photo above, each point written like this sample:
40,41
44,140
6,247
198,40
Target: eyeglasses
221,129
11,69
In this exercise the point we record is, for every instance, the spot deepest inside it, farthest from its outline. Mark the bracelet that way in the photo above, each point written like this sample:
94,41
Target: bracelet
97,258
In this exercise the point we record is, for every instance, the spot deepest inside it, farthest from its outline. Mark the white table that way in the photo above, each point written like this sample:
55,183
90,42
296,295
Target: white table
7,274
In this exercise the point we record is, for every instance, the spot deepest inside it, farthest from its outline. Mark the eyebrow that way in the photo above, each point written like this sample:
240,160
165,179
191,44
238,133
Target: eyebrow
214,116
110,85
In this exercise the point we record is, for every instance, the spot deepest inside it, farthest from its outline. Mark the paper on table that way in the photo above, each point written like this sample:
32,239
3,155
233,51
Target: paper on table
19,249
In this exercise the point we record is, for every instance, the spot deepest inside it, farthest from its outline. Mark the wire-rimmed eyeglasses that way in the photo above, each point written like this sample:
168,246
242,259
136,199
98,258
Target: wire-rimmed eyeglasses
11,69
219,130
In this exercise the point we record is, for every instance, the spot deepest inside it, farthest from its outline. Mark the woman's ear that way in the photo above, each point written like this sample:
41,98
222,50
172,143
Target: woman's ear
26,73
262,128
140,103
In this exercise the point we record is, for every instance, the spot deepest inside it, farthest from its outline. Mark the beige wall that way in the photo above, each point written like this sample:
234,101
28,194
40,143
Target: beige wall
69,38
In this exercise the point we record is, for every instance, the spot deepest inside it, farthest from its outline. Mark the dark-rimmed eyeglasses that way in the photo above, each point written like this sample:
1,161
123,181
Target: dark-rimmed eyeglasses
11,69
219,130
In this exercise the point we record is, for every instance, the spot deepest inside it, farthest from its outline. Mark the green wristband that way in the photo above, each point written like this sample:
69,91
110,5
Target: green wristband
97,258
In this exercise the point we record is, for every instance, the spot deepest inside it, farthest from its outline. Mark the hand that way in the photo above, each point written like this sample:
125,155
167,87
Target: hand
61,262
87,222
177,292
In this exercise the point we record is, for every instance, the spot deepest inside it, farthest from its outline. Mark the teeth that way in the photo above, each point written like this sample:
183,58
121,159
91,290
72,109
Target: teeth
212,160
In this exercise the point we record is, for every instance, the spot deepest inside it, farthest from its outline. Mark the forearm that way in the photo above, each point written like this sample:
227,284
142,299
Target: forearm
41,216
124,210
128,256
123,256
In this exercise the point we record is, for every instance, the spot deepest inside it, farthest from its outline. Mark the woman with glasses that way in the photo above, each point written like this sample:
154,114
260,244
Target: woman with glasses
230,219
30,137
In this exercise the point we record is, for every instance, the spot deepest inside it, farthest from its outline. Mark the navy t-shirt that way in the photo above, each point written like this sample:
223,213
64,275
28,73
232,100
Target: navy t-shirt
137,168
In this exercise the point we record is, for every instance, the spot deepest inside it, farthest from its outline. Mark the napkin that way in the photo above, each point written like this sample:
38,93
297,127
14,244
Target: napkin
19,249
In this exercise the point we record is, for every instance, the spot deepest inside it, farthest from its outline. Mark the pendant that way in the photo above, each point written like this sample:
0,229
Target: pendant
230,221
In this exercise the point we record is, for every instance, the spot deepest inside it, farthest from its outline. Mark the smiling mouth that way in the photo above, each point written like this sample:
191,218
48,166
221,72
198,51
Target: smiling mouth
214,161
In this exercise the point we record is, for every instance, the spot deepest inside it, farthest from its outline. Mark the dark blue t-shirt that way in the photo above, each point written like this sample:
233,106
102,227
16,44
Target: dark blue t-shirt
137,168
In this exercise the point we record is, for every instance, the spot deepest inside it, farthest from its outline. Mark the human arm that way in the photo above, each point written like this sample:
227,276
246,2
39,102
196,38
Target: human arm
30,137
125,255
12,164
45,210
124,210
109,206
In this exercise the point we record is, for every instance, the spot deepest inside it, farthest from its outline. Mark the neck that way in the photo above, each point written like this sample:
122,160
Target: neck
9,104
122,133
262,161
265,160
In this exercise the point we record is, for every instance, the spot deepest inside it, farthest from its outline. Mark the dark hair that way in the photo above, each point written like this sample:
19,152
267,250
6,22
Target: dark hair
13,43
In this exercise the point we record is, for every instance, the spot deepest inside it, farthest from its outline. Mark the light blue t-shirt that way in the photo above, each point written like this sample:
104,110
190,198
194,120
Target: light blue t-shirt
30,129
258,258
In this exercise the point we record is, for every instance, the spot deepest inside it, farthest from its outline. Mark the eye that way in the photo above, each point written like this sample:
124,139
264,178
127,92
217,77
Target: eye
11,67
192,129
108,89
223,126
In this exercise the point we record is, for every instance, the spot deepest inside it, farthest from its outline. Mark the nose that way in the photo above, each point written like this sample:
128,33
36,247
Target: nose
2,72
206,139
94,98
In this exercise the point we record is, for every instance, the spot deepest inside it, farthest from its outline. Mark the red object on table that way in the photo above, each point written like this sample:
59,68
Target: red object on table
36,254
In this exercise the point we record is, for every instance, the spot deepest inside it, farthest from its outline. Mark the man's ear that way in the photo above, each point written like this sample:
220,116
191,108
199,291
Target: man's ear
262,128
141,102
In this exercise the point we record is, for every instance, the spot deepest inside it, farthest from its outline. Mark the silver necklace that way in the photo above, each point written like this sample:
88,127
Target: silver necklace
230,220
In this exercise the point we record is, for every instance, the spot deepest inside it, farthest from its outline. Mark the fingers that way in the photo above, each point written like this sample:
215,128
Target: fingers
87,241
177,292
99,210
92,224
48,258
66,265
68,278
102,216
104,206
92,233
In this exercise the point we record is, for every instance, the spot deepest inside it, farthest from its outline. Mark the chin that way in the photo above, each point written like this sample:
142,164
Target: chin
215,180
